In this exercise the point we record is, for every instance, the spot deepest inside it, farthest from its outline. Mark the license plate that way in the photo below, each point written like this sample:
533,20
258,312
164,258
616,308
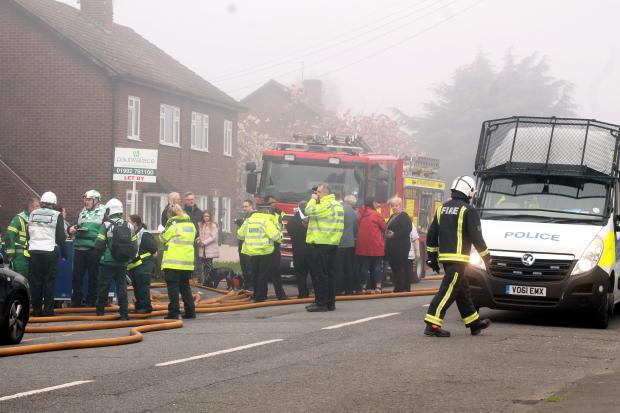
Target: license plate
292,266
526,290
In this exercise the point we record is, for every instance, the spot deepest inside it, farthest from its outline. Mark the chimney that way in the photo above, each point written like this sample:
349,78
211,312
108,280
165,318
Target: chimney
101,11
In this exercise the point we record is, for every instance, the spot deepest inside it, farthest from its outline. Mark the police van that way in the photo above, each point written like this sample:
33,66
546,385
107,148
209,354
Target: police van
549,203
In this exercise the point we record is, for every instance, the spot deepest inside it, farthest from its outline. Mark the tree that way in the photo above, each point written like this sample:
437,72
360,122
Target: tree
450,127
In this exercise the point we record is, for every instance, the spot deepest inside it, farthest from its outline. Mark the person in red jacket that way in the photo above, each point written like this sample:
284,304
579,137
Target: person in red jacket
370,246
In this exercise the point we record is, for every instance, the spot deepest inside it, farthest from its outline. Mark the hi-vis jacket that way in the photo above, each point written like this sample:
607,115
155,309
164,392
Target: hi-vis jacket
455,228
178,239
325,221
146,248
17,233
258,234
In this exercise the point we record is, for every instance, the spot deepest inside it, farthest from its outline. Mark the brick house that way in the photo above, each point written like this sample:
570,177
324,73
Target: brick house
74,85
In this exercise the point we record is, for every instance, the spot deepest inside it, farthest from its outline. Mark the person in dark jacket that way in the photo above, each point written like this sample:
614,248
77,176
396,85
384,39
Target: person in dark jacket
347,281
397,245
142,267
455,228
297,228
370,246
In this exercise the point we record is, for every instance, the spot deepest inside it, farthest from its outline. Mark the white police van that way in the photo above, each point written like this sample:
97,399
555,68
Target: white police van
549,203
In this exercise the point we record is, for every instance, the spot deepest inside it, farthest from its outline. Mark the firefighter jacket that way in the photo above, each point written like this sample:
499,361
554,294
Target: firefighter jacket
147,247
258,234
88,227
455,228
325,221
17,234
178,239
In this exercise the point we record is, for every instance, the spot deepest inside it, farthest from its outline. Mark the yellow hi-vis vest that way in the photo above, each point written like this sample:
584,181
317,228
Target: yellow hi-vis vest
258,234
178,239
325,221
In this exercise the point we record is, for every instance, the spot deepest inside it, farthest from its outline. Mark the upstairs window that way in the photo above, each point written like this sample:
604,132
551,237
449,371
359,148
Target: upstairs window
228,132
133,118
169,125
200,131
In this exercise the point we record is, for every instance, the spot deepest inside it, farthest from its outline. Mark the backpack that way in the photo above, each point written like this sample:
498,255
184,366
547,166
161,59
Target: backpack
123,248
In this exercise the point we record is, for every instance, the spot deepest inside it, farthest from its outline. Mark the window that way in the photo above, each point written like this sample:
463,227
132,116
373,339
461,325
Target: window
152,208
129,203
215,209
200,131
203,203
169,125
228,131
133,118
226,214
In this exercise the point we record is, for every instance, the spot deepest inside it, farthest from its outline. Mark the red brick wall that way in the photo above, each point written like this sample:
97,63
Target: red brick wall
55,116
204,173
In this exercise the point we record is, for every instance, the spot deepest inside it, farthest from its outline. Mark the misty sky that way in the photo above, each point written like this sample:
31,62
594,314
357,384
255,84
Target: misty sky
240,44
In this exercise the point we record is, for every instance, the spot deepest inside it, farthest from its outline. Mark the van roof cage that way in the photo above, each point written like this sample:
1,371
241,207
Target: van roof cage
548,145
349,144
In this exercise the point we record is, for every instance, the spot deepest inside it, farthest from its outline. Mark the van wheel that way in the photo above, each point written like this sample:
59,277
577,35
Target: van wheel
15,324
602,315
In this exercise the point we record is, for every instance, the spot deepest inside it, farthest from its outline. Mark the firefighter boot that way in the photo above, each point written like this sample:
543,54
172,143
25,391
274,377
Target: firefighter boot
433,330
477,326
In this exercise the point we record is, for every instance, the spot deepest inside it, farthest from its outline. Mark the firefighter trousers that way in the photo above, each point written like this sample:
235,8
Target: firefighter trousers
454,287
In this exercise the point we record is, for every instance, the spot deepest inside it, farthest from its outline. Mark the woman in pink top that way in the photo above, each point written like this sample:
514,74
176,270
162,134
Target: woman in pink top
208,247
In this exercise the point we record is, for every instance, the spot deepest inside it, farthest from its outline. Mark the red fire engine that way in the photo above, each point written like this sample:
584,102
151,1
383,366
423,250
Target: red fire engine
292,169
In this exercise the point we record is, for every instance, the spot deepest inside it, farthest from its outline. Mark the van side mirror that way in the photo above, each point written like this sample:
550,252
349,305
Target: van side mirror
251,182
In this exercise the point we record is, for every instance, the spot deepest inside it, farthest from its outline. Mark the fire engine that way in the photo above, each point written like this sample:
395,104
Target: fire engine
292,169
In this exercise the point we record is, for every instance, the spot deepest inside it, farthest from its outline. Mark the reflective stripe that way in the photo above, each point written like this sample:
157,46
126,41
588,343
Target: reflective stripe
433,320
135,264
459,231
471,318
484,253
177,262
447,295
10,250
432,249
187,229
438,215
453,257
12,229
180,242
101,237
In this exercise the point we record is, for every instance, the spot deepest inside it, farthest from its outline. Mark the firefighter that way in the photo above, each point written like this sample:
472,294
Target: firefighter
46,232
85,257
325,228
119,244
141,268
178,239
259,233
455,227
17,245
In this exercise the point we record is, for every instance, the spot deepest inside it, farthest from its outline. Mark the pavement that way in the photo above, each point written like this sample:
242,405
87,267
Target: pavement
366,356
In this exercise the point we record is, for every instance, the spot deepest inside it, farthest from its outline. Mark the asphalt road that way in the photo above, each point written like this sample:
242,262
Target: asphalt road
282,359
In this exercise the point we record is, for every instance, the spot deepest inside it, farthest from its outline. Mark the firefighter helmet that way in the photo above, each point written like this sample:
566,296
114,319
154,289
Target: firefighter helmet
49,198
465,185
114,206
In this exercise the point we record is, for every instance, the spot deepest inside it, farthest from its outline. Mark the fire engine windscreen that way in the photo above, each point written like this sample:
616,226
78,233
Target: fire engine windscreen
546,197
293,181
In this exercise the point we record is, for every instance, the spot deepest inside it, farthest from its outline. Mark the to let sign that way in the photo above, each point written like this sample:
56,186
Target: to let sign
135,165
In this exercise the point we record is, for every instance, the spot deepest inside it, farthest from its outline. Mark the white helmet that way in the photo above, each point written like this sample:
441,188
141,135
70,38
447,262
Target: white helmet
114,206
465,185
49,198
92,194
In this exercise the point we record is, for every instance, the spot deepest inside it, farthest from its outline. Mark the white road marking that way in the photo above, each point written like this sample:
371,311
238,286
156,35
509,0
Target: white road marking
426,305
31,392
361,320
217,353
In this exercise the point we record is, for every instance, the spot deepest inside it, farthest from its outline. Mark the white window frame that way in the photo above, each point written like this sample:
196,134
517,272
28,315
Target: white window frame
200,132
226,218
163,200
133,118
215,210
228,133
129,202
174,113
203,202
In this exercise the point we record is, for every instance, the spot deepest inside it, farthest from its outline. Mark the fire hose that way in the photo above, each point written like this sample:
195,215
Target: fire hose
139,323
